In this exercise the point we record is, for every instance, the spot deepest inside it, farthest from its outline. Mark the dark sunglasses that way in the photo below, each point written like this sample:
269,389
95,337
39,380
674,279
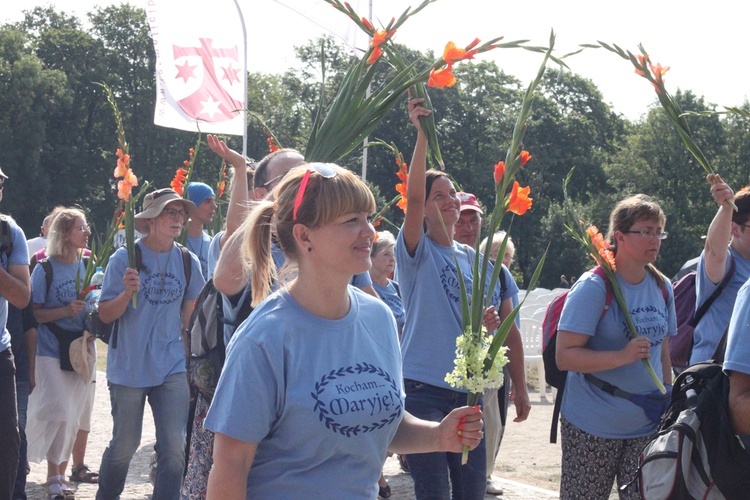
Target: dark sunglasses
325,170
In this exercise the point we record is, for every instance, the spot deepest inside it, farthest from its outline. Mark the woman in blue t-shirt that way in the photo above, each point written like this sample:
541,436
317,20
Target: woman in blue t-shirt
310,398
383,265
57,404
427,275
610,406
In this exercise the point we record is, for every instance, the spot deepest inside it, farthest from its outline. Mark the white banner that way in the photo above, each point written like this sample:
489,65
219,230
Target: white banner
201,73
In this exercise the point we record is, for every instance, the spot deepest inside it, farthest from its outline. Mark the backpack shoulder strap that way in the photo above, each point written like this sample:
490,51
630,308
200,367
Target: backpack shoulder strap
47,266
187,264
659,277
139,259
6,239
722,284
599,271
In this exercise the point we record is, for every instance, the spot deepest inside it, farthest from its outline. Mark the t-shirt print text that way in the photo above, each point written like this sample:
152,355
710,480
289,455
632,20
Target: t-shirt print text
164,291
357,399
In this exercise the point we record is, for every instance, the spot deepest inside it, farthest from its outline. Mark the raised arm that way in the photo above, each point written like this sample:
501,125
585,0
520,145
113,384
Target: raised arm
720,231
229,277
415,187
239,203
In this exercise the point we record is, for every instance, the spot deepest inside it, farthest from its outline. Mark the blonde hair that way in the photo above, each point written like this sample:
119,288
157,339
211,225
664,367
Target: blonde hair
497,241
324,200
64,221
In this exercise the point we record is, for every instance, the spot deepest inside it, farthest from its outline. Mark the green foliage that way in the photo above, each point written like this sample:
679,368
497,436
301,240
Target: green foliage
57,135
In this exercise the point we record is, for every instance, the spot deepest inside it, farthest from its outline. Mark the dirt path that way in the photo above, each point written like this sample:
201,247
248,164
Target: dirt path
528,466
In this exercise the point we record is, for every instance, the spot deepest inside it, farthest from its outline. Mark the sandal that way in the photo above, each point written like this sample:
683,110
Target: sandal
56,489
402,463
83,474
384,491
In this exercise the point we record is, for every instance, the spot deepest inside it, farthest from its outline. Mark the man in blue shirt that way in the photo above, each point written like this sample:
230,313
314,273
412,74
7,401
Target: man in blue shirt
14,288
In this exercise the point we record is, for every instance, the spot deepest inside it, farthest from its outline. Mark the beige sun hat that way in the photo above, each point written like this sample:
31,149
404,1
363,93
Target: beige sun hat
83,357
153,205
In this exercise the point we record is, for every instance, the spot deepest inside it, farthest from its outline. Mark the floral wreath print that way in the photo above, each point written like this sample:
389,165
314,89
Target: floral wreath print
324,411
162,290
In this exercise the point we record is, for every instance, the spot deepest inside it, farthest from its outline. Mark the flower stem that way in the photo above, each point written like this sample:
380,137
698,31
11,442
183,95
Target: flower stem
471,400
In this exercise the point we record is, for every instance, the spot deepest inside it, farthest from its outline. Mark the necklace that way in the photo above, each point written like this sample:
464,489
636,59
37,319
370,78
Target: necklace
163,274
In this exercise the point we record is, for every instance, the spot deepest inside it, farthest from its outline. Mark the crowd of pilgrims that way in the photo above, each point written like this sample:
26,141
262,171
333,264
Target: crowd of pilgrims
344,357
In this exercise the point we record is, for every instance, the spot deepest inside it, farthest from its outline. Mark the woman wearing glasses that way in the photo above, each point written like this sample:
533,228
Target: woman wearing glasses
310,398
57,403
610,407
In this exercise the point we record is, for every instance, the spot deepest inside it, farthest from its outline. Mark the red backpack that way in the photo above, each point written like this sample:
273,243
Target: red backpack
552,374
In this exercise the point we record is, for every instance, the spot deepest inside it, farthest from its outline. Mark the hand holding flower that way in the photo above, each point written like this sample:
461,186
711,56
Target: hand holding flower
491,319
461,427
131,281
75,307
415,111
720,191
635,349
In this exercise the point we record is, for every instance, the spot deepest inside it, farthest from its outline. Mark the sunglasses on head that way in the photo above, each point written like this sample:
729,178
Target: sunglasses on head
325,170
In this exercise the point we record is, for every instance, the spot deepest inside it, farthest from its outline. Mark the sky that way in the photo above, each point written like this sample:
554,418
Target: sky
702,42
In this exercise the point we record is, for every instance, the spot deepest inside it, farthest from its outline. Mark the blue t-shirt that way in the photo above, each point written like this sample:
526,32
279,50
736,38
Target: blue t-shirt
19,255
737,357
432,301
199,245
62,291
711,327
321,398
588,407
213,253
19,321
149,341
391,297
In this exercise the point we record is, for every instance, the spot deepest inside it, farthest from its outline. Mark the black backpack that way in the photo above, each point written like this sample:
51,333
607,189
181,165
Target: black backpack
206,338
695,453
6,239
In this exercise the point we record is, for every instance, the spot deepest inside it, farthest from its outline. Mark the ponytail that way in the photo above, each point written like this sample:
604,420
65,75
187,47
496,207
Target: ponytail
257,262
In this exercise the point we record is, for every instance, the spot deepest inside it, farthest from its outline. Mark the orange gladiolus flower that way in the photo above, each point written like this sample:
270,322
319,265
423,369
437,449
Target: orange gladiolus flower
451,53
130,177
222,187
519,199
601,246
178,183
525,157
442,77
403,175
123,161
375,55
124,189
499,172
367,23
272,146
378,37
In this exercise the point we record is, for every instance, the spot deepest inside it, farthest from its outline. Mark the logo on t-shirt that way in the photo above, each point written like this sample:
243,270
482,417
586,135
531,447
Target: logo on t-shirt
65,293
357,399
162,288
650,322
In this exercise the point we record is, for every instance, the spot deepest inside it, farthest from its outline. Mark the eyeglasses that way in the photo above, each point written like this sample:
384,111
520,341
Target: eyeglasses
325,170
268,183
649,233
174,214
85,228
